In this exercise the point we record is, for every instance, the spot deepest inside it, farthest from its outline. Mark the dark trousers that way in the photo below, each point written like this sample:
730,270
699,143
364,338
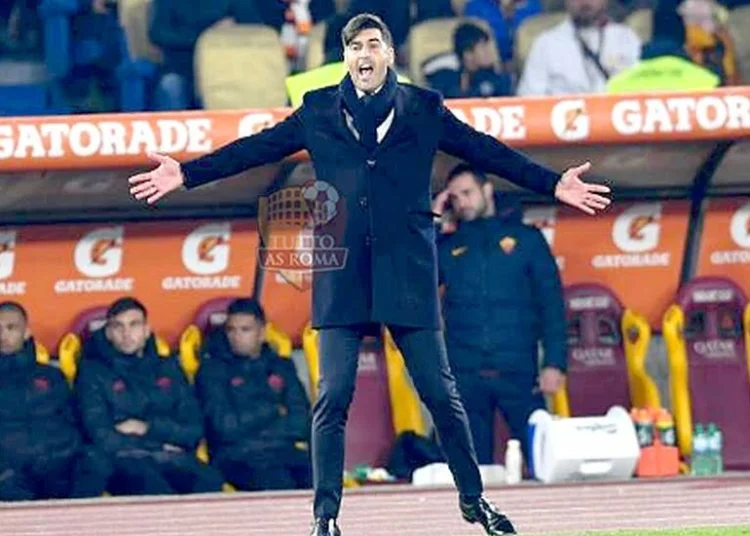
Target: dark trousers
82,474
163,475
426,359
485,392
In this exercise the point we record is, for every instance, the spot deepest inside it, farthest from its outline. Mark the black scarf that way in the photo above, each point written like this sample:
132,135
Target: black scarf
371,110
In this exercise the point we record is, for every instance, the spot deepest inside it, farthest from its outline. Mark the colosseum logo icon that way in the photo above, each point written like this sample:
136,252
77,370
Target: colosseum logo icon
301,228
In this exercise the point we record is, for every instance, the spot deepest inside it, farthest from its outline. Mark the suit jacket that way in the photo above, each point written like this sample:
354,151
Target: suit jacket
384,219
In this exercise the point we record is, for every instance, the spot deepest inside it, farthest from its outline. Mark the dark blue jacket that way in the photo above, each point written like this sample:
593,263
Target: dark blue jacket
502,295
251,406
384,218
37,419
113,387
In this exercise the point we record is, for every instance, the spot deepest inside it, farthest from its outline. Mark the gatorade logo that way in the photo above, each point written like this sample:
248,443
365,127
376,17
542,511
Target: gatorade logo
739,231
205,251
7,253
636,232
254,123
570,121
739,227
98,256
205,254
637,229
99,253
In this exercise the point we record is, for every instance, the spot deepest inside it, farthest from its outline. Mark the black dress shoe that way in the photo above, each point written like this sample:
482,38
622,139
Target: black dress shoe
325,527
486,514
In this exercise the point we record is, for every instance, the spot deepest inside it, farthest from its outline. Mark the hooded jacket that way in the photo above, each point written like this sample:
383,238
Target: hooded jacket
37,418
113,387
251,405
503,294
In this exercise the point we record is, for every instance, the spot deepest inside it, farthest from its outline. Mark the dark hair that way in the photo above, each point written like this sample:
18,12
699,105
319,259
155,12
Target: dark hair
124,305
247,306
462,168
15,307
365,21
466,36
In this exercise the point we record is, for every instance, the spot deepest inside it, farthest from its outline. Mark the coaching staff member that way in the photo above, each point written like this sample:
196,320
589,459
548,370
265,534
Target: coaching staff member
374,140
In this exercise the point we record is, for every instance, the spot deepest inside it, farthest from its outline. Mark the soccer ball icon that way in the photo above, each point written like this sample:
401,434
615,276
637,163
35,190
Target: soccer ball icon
322,200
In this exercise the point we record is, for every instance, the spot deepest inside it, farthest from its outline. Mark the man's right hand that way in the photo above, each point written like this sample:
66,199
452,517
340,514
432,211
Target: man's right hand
153,185
440,205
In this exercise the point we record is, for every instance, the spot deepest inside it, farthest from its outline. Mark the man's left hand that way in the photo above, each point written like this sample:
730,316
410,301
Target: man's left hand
573,191
132,427
551,380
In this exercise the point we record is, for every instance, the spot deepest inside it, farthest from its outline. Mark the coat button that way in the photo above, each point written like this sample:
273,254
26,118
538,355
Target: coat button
371,163
368,240
363,202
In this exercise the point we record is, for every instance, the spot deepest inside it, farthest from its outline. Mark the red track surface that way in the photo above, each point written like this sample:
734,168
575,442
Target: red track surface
535,509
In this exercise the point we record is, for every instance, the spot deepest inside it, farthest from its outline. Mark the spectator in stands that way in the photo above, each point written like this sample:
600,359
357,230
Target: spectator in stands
477,76
42,455
698,31
139,409
580,54
504,17
258,415
93,86
502,294
175,28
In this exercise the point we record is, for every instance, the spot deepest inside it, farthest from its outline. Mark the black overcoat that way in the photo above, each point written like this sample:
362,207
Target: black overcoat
385,219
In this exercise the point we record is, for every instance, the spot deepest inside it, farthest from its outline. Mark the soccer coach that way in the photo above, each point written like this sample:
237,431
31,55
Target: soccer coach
374,140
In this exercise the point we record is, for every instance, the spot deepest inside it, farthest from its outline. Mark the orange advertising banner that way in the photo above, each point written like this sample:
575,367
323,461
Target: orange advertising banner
122,140
636,249
173,267
725,241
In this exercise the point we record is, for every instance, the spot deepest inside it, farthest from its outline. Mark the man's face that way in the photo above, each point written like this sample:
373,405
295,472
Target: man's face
128,332
245,334
479,57
586,12
368,57
469,200
13,332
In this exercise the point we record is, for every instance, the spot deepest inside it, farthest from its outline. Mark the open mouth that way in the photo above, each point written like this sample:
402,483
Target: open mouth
366,71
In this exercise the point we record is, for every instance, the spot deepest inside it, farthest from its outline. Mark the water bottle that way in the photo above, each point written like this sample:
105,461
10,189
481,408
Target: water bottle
715,449
698,465
513,462
644,427
665,427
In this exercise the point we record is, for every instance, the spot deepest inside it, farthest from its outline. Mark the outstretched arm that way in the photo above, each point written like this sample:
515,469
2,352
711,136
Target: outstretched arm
265,147
489,154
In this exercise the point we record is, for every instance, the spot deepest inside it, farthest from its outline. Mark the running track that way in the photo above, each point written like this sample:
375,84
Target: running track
381,511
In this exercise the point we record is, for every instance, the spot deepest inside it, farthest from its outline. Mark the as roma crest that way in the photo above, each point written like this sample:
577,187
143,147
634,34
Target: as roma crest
507,244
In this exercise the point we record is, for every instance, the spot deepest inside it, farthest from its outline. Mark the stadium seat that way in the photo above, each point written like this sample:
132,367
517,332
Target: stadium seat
42,354
58,42
739,22
71,344
384,404
707,334
607,347
211,315
225,55
529,30
432,38
142,58
641,21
